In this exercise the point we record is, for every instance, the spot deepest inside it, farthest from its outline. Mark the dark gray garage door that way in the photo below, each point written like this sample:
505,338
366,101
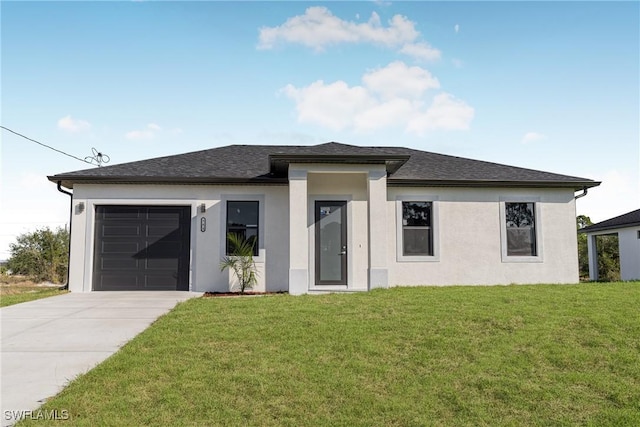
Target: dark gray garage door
141,248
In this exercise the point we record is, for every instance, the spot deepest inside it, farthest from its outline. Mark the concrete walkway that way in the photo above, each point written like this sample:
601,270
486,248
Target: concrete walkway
48,342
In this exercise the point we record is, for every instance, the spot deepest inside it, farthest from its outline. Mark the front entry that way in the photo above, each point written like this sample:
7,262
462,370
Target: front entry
331,242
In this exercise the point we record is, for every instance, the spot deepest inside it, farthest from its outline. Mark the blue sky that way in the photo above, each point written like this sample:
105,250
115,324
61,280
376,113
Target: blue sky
544,85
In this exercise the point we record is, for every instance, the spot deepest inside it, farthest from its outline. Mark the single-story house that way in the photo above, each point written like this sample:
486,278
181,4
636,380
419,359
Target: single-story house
627,227
329,217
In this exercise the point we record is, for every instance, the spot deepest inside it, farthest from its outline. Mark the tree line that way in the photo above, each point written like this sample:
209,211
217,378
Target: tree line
42,255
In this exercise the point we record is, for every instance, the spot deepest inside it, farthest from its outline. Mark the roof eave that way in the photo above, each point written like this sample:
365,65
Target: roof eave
608,227
576,185
69,181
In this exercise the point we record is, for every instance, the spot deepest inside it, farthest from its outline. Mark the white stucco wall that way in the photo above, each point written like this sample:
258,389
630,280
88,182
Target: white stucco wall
470,244
629,242
206,247
468,226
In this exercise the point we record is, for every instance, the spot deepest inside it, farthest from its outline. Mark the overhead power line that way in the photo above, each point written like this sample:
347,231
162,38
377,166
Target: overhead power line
47,146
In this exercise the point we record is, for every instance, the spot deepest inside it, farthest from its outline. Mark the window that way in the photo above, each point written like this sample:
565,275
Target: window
417,229
520,229
242,219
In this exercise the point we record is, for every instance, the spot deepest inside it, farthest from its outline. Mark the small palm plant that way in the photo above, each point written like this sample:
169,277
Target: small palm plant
240,261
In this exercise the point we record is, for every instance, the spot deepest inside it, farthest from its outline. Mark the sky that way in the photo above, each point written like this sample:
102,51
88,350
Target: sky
552,86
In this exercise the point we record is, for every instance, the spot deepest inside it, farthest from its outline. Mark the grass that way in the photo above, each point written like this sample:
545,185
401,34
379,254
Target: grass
17,289
517,355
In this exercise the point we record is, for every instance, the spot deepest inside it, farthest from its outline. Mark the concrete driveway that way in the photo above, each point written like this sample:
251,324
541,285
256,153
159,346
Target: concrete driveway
48,342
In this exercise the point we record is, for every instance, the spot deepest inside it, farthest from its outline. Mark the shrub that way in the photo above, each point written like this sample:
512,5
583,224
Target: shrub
42,255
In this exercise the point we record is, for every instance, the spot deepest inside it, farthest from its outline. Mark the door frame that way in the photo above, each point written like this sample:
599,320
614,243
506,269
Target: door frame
344,280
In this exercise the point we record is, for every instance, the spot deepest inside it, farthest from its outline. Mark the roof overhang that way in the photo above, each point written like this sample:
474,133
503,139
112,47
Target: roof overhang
596,229
279,163
69,181
575,185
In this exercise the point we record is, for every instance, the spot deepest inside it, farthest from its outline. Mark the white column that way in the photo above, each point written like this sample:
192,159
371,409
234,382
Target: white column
81,265
377,204
592,251
298,233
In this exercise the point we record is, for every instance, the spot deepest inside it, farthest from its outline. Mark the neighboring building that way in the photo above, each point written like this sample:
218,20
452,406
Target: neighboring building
627,227
330,217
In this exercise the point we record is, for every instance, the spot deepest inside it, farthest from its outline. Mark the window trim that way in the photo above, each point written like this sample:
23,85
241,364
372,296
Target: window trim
435,228
246,227
537,226
260,258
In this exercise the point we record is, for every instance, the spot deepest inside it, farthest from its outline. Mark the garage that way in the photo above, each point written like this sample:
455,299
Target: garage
142,248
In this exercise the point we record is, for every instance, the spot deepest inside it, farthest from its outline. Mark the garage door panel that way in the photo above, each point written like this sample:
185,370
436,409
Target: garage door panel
121,212
120,230
142,248
163,248
163,230
118,264
120,247
163,214
162,264
118,282
160,282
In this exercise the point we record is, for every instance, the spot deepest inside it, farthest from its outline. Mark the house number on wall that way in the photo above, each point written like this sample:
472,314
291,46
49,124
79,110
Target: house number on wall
203,224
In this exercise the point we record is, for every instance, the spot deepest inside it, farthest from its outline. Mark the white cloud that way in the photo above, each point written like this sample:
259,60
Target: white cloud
391,96
69,124
532,137
421,50
383,115
318,28
456,28
446,112
149,132
457,62
399,80
331,105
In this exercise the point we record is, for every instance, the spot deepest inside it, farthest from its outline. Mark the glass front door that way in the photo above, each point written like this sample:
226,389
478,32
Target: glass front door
331,242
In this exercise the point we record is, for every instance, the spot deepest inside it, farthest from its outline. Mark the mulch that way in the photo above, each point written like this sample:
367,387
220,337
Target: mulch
238,294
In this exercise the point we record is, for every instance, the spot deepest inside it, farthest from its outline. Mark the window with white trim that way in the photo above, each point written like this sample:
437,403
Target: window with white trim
520,226
417,228
243,220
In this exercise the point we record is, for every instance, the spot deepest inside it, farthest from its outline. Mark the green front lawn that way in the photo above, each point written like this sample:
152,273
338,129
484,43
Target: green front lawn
516,355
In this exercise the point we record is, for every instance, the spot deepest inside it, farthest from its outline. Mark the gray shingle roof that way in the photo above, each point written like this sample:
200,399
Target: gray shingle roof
253,164
630,219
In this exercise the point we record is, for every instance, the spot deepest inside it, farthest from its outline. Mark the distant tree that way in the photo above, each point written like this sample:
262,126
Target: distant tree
608,253
608,257
41,255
